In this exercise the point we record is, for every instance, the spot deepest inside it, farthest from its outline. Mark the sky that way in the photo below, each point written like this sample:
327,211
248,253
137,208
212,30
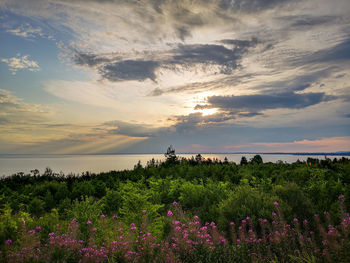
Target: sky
113,76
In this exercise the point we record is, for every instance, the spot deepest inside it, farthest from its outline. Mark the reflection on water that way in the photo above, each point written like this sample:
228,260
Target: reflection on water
10,164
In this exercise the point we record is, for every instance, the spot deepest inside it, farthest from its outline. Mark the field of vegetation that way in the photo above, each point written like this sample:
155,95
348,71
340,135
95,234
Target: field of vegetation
180,210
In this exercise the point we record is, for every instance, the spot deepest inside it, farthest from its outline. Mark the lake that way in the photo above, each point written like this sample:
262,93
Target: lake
11,164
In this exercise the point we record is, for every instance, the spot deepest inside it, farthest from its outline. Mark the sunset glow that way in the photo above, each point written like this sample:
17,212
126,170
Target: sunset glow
137,76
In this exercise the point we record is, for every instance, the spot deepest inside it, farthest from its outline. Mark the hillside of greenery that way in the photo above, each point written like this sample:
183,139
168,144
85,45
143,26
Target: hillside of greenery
180,210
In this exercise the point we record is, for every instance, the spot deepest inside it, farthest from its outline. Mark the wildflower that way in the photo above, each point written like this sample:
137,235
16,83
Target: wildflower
175,203
274,214
176,222
8,242
89,222
232,223
275,203
133,228
196,217
94,229
31,231
102,216
51,234
144,211
305,222
325,213
340,197
38,228
295,220
170,213
114,217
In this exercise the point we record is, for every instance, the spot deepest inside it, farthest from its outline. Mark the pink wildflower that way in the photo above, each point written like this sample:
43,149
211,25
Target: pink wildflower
170,213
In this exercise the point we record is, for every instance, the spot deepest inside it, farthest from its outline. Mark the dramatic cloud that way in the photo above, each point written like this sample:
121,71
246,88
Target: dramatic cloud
149,73
129,70
260,102
21,62
211,58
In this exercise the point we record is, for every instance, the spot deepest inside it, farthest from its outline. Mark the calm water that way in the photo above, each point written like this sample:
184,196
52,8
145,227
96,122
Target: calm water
10,164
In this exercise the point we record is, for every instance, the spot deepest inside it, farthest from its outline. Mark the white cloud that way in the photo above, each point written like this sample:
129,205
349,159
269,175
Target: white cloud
26,31
21,62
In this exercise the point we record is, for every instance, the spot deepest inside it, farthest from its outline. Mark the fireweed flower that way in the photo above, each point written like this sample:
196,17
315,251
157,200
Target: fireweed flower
175,203
94,229
89,222
8,242
170,213
102,216
275,203
274,214
295,220
38,228
340,197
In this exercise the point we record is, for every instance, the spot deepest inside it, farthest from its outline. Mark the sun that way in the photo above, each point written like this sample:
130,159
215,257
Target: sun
206,112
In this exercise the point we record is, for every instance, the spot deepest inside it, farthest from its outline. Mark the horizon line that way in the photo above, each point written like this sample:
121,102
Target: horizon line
126,153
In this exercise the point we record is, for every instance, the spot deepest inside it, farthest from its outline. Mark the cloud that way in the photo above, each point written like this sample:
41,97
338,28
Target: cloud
218,58
308,21
26,31
337,53
260,102
332,144
267,62
251,5
14,111
129,70
132,129
21,62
